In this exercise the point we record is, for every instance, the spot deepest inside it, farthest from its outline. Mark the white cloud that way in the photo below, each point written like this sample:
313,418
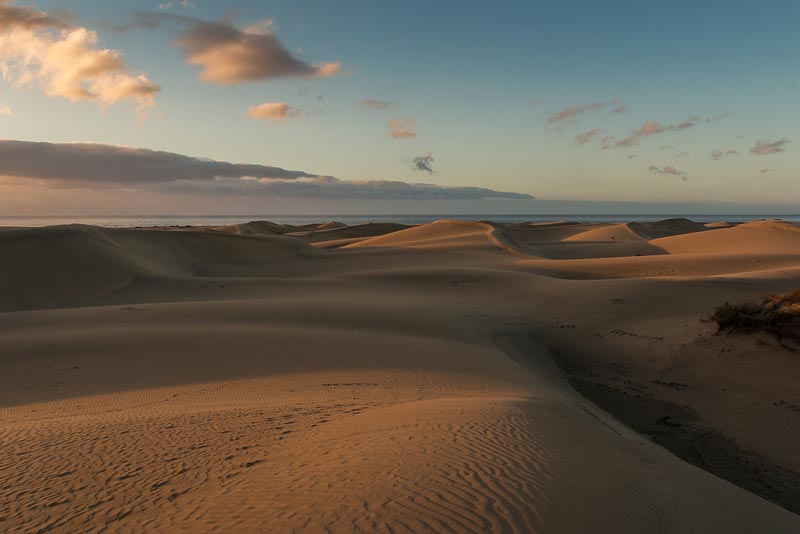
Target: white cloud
64,61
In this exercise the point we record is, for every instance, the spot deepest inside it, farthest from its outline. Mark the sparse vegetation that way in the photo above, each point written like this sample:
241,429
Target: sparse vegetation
777,314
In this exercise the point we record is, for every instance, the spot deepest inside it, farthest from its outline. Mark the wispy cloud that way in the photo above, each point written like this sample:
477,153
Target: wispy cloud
764,147
228,55
669,170
273,111
718,155
571,111
376,104
718,117
650,128
765,171
585,137
91,166
5,110
400,129
620,109
423,163
171,3
49,51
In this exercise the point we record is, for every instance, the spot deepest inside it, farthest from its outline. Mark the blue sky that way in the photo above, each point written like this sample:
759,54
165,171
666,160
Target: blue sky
481,82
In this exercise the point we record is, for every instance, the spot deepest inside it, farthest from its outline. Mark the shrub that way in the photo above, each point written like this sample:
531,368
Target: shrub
778,314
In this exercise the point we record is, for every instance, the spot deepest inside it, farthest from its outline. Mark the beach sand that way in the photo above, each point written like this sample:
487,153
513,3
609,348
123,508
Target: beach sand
450,377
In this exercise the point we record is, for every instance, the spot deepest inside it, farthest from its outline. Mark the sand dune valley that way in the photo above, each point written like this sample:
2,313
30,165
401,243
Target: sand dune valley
464,377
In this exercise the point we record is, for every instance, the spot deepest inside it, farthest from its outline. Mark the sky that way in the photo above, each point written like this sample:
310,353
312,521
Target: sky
301,106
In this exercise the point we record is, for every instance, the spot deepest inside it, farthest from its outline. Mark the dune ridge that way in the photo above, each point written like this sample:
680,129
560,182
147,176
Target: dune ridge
384,378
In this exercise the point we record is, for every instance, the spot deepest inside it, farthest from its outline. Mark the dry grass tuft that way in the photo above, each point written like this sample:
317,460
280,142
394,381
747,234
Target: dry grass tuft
777,314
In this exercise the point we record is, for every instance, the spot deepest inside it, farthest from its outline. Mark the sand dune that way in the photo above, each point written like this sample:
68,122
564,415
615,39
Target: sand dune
378,378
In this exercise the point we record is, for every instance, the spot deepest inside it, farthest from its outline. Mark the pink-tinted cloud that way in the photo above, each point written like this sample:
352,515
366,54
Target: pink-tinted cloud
5,110
376,104
571,111
607,142
585,137
669,170
764,148
45,50
653,128
229,55
400,129
273,111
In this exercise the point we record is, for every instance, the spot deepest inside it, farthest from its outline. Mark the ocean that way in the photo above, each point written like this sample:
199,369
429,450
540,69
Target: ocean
221,220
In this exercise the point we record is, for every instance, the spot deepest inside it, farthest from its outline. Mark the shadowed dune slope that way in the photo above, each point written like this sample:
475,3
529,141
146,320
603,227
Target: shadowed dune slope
52,266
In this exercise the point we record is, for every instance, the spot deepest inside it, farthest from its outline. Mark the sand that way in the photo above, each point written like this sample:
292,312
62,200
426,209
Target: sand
451,377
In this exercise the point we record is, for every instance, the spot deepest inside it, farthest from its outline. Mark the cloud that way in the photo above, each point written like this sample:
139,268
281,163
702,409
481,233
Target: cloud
46,50
423,163
327,187
764,148
585,137
667,147
5,110
630,156
399,129
682,154
718,155
571,111
229,55
375,104
93,166
91,163
765,171
274,111
653,128
533,102
182,3
620,109
607,142
716,118
669,170
18,17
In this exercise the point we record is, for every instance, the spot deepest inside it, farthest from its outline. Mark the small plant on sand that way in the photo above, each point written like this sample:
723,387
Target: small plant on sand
777,314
